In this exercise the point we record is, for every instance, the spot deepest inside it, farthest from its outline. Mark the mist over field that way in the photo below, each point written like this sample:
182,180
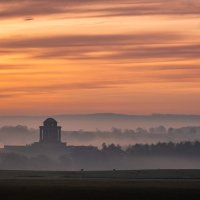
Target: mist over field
23,135
96,129
105,142
109,157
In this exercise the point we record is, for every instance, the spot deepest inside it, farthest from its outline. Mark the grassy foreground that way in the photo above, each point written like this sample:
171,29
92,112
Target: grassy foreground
138,185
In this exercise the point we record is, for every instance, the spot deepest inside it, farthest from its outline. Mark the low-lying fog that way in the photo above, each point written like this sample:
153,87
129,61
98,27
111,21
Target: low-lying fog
22,135
145,142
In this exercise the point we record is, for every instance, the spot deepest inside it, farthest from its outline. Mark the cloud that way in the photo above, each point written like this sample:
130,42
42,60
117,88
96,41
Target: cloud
98,8
110,47
56,88
113,46
155,7
89,40
4,67
164,51
28,19
168,46
4,96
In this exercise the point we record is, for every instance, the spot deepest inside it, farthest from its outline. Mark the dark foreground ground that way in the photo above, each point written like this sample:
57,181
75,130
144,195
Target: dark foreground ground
136,185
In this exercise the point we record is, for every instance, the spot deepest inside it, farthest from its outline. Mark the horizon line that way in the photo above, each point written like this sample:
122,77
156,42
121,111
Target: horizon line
100,113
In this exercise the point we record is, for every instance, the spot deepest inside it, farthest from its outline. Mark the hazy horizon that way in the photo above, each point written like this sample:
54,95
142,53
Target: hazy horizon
105,121
101,113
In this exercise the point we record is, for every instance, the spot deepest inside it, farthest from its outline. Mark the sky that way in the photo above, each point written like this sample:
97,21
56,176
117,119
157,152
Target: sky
91,56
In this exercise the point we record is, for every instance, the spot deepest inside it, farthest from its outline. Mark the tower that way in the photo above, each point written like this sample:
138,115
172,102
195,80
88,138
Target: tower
50,132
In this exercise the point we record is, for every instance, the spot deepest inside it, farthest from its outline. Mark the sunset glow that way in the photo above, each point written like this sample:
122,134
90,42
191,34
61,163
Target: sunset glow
130,56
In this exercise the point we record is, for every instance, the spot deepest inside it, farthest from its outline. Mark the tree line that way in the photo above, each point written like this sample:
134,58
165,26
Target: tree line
111,156
18,135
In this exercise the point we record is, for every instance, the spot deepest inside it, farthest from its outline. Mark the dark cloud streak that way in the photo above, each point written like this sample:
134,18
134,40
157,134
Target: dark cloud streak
89,40
131,46
56,88
11,9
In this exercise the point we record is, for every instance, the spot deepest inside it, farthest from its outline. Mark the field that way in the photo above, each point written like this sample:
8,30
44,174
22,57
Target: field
138,185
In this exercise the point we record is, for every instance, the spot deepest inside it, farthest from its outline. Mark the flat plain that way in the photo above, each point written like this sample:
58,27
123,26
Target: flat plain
94,185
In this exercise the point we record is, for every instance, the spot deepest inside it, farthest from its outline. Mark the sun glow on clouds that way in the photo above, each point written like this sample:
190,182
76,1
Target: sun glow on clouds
76,57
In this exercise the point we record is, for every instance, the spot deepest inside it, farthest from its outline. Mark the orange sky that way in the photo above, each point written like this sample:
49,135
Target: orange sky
130,56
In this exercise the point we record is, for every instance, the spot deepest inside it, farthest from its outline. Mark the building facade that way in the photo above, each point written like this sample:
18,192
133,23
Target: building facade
49,142
50,132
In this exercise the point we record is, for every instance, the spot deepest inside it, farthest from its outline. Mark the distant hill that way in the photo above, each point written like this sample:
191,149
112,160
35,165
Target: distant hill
105,121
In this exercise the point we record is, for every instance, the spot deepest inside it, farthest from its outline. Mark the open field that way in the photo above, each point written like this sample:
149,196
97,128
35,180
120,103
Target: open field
138,185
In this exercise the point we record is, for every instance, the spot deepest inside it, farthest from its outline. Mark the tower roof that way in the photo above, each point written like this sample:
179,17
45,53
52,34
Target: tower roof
50,122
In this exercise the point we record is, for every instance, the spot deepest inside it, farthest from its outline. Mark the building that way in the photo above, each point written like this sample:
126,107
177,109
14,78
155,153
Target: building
49,142
50,132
